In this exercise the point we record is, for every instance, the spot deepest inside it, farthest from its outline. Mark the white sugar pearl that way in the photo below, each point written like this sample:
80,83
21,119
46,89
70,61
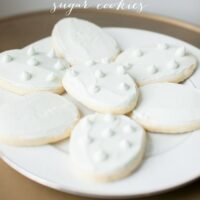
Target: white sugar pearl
59,65
109,117
33,62
125,144
172,64
99,74
25,76
137,53
31,51
7,58
51,54
121,69
90,63
94,89
181,52
128,66
108,132
152,69
100,156
124,86
162,46
105,60
51,77
128,129
74,73
88,139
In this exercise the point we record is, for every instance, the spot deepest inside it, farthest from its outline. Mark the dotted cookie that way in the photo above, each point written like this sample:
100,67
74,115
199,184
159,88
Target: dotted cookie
106,147
105,88
158,63
26,71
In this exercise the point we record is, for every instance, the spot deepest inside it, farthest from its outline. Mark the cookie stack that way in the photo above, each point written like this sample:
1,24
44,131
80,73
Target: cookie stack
110,97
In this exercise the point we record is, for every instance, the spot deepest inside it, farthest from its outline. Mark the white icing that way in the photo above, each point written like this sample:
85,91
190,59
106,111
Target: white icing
110,92
168,105
37,119
80,41
38,65
109,153
170,63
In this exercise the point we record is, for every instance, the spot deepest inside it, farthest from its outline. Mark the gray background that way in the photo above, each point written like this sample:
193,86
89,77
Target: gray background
186,10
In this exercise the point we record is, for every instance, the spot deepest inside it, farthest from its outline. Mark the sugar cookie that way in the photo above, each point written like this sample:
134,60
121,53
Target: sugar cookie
37,119
106,147
168,108
80,41
104,88
26,71
158,63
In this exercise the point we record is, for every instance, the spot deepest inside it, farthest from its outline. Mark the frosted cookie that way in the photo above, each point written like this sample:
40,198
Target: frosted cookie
104,88
168,108
37,119
26,71
158,63
106,147
7,97
80,41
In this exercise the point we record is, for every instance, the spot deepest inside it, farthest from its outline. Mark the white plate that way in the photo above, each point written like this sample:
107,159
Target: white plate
171,160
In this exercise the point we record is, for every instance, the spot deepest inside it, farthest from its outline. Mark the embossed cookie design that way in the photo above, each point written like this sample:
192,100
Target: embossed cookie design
37,119
27,71
158,63
168,108
80,41
106,147
104,88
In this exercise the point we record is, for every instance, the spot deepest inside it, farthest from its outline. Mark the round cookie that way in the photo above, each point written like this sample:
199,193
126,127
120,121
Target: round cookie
104,88
37,119
158,63
26,71
168,108
80,41
106,147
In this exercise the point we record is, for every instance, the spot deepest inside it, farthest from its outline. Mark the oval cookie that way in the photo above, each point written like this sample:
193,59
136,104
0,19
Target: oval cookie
80,41
104,88
27,71
37,119
158,63
168,108
106,147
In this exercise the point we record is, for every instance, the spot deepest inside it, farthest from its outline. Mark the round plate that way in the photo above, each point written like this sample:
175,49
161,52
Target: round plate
170,161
